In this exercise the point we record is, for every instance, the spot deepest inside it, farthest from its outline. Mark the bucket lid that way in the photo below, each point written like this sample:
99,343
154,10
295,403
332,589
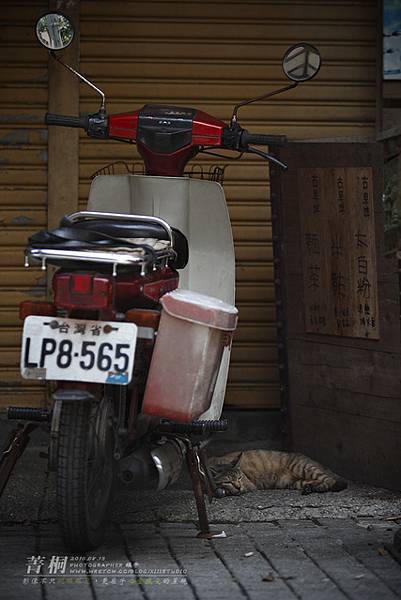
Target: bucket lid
201,309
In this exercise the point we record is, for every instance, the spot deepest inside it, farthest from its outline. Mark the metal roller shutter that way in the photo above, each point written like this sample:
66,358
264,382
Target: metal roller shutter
211,55
23,184
185,52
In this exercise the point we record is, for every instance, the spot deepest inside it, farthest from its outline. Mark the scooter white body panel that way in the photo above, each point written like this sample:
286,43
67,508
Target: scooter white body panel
197,208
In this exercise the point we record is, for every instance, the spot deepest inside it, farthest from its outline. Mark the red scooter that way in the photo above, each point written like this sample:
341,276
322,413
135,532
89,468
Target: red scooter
137,338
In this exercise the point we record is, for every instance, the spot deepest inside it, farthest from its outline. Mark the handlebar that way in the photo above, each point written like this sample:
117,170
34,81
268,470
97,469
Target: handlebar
67,121
233,137
260,139
95,125
236,138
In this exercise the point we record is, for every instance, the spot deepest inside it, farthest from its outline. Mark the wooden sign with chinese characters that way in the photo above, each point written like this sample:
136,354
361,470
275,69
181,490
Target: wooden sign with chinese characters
339,251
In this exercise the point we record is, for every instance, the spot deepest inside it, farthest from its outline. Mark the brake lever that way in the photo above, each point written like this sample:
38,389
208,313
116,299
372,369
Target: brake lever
267,156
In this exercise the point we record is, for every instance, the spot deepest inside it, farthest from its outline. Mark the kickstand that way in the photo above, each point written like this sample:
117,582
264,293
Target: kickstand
201,484
16,443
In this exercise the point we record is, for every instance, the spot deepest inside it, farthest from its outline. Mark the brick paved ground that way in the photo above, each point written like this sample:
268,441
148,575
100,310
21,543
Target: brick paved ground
279,545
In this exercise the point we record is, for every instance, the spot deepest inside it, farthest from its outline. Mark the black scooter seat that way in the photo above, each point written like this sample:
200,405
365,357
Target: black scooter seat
104,234
120,229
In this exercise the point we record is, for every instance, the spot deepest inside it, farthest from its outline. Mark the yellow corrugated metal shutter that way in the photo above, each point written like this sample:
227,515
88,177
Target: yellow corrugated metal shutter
210,55
203,54
23,183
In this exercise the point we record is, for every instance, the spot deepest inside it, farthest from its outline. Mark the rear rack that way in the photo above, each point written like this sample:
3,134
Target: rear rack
115,259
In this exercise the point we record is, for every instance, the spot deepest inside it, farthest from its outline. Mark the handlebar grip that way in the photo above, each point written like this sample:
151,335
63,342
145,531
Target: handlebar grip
260,139
66,121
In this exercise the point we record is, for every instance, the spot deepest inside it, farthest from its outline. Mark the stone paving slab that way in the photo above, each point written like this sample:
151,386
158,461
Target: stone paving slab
280,545
328,560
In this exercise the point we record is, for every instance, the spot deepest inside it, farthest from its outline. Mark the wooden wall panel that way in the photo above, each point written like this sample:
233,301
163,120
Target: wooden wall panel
344,401
63,146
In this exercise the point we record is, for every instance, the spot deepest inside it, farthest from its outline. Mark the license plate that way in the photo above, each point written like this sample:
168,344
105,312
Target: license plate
78,350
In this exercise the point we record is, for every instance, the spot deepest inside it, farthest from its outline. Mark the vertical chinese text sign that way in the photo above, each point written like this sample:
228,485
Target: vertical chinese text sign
339,251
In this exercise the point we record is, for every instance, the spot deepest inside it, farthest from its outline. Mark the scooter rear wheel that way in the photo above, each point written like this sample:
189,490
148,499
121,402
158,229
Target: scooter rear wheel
85,472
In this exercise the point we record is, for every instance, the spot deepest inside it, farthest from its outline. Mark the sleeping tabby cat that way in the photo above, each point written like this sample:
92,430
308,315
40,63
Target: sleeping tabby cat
241,472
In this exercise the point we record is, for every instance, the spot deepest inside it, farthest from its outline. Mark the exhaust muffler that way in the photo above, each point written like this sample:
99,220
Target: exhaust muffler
155,467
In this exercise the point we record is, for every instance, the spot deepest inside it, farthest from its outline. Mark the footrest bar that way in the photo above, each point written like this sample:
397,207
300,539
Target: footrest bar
26,413
196,427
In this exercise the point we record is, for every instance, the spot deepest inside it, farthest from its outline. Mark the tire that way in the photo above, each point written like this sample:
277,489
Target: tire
85,472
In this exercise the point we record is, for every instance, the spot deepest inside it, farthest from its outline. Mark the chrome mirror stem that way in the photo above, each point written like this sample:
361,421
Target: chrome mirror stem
102,109
262,97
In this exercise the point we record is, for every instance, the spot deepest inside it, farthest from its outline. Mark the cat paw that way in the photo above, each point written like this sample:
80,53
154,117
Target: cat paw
307,489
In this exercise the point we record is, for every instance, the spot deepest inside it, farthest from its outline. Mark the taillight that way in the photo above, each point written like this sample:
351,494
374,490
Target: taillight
81,284
36,307
88,290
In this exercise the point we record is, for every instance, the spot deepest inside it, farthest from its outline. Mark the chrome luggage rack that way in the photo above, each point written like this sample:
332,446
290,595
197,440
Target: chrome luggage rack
113,257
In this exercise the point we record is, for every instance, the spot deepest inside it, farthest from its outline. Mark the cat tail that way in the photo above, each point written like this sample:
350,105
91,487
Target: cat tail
339,485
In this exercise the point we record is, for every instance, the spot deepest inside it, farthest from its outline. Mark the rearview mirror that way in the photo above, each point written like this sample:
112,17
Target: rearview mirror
301,62
54,31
